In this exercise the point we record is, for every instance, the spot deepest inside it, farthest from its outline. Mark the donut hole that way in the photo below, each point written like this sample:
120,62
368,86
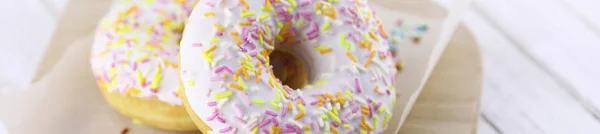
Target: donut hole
289,69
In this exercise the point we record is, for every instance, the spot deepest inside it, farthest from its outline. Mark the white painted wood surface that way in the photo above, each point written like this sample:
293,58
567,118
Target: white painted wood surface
541,60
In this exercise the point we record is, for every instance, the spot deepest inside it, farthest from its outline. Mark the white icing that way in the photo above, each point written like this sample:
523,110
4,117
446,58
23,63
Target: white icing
317,63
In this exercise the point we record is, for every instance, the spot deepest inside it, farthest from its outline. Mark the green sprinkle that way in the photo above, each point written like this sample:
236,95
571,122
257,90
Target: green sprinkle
274,104
215,40
260,38
335,111
375,119
244,15
300,22
345,126
321,47
190,82
366,36
363,132
290,10
224,95
241,83
259,102
387,118
278,97
307,132
267,9
279,24
326,26
327,132
255,130
263,17
319,12
324,117
383,108
293,3
334,117
320,82
300,107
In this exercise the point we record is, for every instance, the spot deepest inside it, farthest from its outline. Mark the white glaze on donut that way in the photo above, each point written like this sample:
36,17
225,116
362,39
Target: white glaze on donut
136,46
344,44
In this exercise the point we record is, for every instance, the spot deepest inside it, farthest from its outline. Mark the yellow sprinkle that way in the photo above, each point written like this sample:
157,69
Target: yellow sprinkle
218,27
298,116
245,4
207,58
351,57
246,23
326,26
142,58
208,14
244,15
320,82
368,63
234,86
215,40
373,36
334,117
326,50
305,127
333,129
224,95
259,102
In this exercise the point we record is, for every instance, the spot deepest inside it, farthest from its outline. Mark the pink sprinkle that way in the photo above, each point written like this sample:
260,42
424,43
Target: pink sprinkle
238,109
355,109
239,120
335,124
246,99
269,112
264,123
250,19
227,129
210,4
344,120
283,111
287,89
227,69
212,103
378,105
357,84
135,65
293,31
216,78
220,119
253,54
388,91
264,131
289,126
212,117
317,130
302,99
253,125
346,113
219,33
145,61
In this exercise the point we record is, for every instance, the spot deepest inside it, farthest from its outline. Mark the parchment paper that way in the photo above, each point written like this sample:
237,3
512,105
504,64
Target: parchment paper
66,98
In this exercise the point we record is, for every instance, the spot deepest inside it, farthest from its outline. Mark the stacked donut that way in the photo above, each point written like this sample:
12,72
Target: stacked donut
269,66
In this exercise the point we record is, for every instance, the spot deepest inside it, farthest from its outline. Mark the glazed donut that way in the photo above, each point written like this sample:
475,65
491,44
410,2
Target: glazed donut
229,79
134,60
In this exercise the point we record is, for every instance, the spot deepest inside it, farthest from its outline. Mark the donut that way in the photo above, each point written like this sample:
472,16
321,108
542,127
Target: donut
229,54
134,60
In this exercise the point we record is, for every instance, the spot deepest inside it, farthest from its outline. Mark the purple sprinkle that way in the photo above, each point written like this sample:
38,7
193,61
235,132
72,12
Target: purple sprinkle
264,131
305,3
254,36
227,69
293,31
357,84
289,126
220,119
283,111
314,103
369,100
253,125
218,69
313,36
275,122
388,92
210,4
250,19
370,111
219,33
212,103
317,130
287,89
335,124
269,112
253,54
264,123
227,129
345,120
212,117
